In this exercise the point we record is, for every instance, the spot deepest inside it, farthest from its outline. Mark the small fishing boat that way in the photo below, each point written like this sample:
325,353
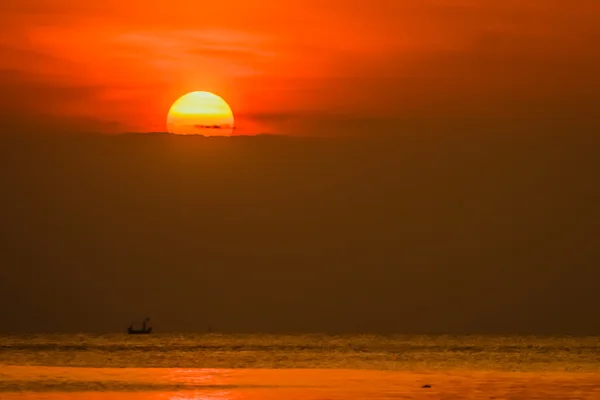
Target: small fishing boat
144,330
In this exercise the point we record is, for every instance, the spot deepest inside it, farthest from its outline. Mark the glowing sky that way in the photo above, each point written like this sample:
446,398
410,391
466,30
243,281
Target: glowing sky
296,66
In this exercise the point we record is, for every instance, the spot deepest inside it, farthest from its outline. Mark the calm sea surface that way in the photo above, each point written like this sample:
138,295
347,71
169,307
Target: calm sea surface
213,366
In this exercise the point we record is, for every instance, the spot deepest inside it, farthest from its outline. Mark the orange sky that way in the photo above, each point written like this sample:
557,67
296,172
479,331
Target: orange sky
296,66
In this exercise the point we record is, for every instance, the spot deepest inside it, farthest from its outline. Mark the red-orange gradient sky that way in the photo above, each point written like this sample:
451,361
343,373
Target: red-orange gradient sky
296,66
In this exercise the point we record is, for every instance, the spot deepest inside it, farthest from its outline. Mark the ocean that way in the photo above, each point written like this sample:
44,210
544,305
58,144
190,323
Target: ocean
297,367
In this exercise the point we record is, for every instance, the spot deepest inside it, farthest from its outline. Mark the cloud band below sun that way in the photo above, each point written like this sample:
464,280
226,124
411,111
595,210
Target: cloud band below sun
225,126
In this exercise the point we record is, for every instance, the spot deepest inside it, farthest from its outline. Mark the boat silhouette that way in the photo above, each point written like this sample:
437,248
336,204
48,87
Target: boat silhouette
144,330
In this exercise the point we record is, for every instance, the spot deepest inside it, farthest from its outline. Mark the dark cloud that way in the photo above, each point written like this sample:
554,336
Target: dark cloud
483,230
225,126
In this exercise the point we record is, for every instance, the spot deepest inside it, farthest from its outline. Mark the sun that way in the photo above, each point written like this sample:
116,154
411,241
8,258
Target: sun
200,113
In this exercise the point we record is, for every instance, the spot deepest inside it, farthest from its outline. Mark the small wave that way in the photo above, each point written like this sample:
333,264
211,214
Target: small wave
510,353
115,348
56,385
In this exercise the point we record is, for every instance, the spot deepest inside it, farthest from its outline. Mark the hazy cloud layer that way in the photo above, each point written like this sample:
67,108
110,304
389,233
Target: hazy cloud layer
476,232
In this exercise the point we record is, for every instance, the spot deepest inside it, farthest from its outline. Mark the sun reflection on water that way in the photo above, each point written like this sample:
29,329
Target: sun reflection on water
220,395
195,377
211,379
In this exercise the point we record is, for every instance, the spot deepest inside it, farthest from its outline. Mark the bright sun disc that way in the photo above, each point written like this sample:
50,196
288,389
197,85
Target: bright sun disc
200,113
